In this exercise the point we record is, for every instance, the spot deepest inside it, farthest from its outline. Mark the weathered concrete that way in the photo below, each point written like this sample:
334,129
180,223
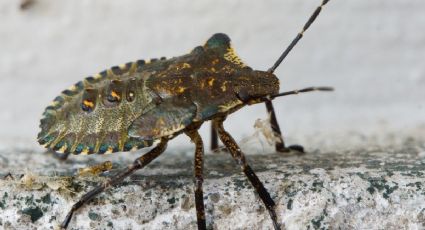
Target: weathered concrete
374,188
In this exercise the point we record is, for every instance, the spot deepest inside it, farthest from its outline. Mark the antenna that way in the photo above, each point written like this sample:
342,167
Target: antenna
309,89
298,37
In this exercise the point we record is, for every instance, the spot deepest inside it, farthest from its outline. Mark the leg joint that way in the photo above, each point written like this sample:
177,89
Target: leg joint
138,163
198,182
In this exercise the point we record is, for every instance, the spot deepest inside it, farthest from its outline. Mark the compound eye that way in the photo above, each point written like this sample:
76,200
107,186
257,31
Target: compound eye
88,103
243,96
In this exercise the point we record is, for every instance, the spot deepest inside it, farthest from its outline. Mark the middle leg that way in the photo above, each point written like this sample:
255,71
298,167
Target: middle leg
214,138
198,168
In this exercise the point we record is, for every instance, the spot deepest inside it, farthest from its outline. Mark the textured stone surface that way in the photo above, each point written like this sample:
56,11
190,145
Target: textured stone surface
362,188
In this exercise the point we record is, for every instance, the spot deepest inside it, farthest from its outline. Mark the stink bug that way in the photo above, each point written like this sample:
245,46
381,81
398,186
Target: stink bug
143,103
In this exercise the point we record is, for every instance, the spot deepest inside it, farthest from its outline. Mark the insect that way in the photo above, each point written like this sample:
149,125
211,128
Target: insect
145,103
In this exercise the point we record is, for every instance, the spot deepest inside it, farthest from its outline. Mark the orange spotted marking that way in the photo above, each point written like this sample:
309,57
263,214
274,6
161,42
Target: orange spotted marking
88,103
115,95
211,81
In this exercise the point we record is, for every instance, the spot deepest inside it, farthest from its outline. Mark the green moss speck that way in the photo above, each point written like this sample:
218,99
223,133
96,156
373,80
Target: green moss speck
34,212
317,223
29,200
239,184
46,199
389,173
171,200
94,216
289,205
75,186
317,186
371,190
3,202
119,201
416,184
389,190
381,185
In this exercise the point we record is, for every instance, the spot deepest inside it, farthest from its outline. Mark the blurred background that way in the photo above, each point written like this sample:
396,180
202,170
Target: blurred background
372,52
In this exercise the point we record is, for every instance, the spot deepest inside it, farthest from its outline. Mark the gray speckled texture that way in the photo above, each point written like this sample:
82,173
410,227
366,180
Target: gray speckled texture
380,187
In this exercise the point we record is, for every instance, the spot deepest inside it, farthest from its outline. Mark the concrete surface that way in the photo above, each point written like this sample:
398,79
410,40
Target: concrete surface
379,187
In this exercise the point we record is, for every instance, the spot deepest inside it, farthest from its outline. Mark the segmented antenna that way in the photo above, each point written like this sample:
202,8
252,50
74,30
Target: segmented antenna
309,89
298,37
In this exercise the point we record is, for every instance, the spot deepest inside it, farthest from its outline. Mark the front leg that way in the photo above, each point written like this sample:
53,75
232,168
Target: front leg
237,154
280,144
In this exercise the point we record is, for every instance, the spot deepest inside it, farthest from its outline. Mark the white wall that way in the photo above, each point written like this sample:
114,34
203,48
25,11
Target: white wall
372,52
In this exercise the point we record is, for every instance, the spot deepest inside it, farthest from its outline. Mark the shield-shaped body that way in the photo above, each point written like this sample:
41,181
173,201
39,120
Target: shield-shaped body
130,106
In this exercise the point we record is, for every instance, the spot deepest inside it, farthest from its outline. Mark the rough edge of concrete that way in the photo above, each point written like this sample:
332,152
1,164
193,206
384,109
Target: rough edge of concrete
374,188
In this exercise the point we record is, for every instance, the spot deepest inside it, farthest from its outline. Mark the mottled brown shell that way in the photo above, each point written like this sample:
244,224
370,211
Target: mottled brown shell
132,105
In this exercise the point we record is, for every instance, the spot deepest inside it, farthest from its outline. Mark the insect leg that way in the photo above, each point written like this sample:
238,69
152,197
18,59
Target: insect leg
280,145
137,164
237,154
214,138
199,165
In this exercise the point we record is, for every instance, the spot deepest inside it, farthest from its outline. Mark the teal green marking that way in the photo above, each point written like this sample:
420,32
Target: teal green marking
128,146
103,148
60,144
46,139
79,148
